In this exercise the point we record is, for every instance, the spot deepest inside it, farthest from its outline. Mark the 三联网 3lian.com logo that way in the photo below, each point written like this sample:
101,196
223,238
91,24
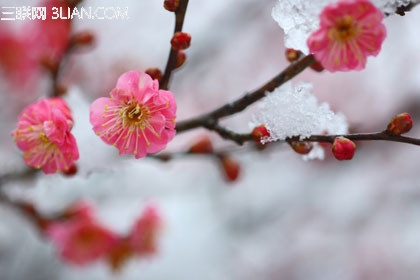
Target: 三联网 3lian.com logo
33,13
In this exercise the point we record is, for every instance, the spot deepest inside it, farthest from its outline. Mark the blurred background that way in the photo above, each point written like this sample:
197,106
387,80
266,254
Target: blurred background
284,218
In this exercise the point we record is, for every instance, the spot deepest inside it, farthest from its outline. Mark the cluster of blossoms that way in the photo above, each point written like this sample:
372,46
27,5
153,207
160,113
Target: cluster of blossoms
80,239
348,32
138,119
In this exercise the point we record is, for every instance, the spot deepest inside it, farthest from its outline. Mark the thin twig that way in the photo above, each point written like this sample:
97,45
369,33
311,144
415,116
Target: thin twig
171,63
209,120
378,136
363,137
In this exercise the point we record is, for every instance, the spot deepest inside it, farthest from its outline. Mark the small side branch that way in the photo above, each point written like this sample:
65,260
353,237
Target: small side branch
249,98
171,63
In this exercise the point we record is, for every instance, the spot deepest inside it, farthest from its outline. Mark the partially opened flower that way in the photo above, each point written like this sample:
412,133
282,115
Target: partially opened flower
350,30
43,134
138,119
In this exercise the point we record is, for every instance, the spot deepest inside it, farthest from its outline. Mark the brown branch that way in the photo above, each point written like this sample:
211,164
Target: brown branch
230,135
362,137
242,138
401,10
373,136
210,120
171,63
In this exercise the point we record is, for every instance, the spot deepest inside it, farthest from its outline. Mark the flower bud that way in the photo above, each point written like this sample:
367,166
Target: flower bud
181,41
50,64
293,55
230,168
301,147
83,38
401,123
317,66
60,90
181,57
154,73
259,133
171,5
71,171
165,157
202,146
343,148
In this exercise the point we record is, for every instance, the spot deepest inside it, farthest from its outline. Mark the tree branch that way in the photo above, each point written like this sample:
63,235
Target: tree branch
211,119
378,136
170,64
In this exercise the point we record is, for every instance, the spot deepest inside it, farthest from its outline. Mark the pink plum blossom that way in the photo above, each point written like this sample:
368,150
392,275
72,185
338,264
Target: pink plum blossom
81,241
350,30
49,38
143,236
138,118
16,62
40,43
43,134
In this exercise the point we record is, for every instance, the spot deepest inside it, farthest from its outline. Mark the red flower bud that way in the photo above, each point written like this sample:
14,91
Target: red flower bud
230,168
181,41
60,90
259,132
343,148
171,5
181,57
401,123
71,171
83,38
202,146
155,73
317,66
293,55
301,147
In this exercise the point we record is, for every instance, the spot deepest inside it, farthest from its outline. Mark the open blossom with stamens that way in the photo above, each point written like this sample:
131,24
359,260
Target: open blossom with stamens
43,134
138,118
350,30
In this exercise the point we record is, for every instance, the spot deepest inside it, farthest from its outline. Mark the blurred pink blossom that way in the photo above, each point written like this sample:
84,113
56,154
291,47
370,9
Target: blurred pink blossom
138,119
49,38
16,61
143,237
350,30
40,43
81,241
43,134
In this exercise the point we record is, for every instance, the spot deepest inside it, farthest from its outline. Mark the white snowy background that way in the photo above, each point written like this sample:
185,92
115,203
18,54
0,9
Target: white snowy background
285,218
